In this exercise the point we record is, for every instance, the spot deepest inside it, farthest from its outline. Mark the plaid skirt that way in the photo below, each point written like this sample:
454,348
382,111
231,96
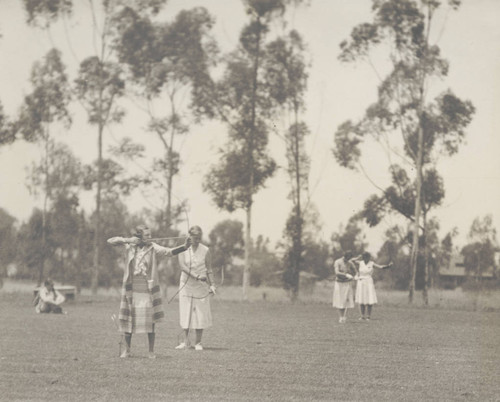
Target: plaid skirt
141,309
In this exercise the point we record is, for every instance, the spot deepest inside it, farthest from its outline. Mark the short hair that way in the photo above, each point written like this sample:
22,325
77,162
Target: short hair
348,255
195,230
139,230
366,255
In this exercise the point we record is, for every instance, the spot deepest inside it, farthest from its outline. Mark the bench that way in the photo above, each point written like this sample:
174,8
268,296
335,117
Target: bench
67,291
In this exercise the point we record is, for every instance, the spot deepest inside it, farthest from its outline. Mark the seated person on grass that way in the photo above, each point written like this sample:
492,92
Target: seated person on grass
48,299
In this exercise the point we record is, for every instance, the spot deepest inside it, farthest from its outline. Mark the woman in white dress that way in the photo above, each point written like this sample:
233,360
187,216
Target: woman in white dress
195,287
365,289
343,297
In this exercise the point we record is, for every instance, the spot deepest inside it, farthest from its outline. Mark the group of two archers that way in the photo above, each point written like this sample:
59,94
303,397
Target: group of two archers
141,305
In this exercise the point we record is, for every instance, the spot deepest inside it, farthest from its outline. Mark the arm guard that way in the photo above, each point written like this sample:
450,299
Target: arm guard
178,250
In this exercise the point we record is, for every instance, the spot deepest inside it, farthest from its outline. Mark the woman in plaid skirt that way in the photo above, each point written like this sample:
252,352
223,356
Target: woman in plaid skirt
141,305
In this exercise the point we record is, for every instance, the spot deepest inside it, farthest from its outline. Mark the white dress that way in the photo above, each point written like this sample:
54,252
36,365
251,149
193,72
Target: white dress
194,296
343,296
365,289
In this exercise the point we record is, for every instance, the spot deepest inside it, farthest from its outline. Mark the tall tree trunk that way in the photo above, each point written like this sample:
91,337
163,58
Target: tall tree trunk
170,177
103,118
41,267
248,234
419,164
248,246
81,234
418,208
425,291
297,253
298,241
97,233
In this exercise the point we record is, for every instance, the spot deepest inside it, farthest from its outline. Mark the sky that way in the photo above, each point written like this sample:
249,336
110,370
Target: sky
336,92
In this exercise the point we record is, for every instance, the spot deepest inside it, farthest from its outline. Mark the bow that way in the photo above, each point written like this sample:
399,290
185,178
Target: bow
190,264
165,238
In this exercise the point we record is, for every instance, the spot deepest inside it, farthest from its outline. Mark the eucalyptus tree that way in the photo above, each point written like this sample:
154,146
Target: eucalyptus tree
8,234
7,132
242,100
479,252
399,199
58,174
349,237
67,261
226,243
286,77
99,84
43,13
402,111
169,62
58,177
45,106
35,244
6,136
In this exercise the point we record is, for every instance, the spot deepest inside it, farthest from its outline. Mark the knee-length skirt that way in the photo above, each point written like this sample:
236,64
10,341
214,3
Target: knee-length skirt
343,295
194,306
141,309
365,291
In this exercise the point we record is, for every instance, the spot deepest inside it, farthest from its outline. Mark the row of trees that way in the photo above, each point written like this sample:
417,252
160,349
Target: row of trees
403,114
160,64
68,249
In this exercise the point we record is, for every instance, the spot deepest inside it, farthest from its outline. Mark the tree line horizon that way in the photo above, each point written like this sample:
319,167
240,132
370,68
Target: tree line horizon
139,54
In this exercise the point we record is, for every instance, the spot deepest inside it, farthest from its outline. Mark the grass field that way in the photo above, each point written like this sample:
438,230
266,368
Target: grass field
255,351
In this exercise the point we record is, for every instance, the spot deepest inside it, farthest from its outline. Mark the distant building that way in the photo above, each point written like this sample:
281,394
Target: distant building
455,274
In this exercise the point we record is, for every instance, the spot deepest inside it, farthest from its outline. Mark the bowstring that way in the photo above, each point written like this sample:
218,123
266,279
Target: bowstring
187,279
172,238
190,259
188,276
209,292
190,264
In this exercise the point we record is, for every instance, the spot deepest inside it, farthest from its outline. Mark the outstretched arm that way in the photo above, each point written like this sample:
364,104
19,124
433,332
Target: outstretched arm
382,266
357,259
168,252
121,241
184,247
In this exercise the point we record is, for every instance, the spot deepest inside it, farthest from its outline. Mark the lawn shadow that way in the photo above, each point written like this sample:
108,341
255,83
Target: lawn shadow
146,357
205,348
214,349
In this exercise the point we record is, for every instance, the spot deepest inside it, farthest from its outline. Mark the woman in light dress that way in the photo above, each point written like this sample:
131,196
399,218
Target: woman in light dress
365,289
343,295
195,287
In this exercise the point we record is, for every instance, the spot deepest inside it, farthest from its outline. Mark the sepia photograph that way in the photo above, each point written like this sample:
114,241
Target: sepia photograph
249,200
